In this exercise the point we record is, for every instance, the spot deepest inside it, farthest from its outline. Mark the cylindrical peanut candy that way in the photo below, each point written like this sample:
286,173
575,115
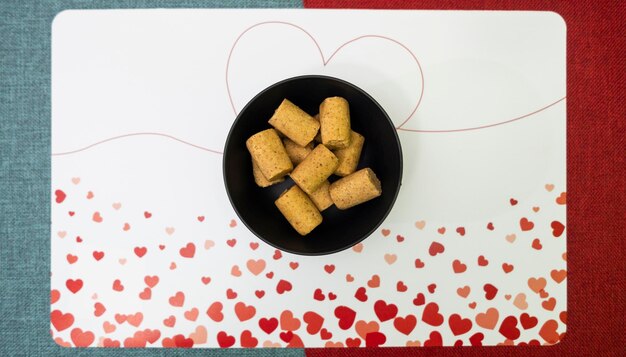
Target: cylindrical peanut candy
295,123
355,189
297,153
315,169
260,179
321,197
269,153
297,207
335,122
349,157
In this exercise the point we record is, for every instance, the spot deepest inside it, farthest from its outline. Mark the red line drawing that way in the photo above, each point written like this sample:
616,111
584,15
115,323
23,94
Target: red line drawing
487,125
137,134
325,61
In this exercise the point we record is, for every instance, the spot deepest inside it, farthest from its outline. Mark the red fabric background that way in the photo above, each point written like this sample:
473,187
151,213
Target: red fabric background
596,147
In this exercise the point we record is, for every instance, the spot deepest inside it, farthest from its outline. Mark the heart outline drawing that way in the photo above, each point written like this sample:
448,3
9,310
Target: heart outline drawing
326,61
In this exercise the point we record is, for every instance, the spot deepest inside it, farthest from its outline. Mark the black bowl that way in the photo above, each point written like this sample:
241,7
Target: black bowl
340,229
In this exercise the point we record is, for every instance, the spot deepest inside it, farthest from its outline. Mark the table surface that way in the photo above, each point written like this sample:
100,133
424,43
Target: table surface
595,172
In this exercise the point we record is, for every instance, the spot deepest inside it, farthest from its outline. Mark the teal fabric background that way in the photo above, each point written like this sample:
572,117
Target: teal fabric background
25,176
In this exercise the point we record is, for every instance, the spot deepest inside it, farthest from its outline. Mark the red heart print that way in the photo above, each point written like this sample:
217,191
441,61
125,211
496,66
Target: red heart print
61,321
79,239
513,201
74,285
120,318
268,325
247,340
431,314
482,261
178,299
361,294
59,196
96,217
331,296
548,331
71,258
419,299
200,218
346,316
441,230
490,226
509,329
259,293
419,263
318,295
147,214
325,334
477,339
525,224
294,265
135,319
353,342
490,291
460,231
558,275
405,324
82,338
231,242
71,213
464,291
314,322
277,254
458,343
374,282
375,339
472,305
400,238
385,311
329,268
537,284
283,286
140,251
139,341
549,304
109,343
55,295
296,342
458,267
507,267
488,319
232,223
436,248
151,281
170,321
434,340
269,275
244,312
254,245
286,336
98,255
224,340
206,280
385,232
230,294
557,228
562,199
528,321
188,251
431,288
192,314
152,335
117,285
215,311
459,325
288,322
181,341
98,309
537,244
401,287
